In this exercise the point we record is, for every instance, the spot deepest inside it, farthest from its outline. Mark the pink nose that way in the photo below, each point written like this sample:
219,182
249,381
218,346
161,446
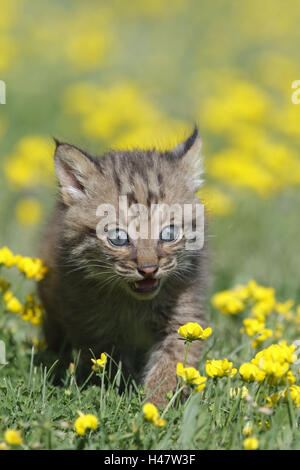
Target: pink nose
147,269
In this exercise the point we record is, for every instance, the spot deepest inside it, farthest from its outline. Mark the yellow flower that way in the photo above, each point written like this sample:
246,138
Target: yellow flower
215,201
251,372
13,437
280,353
12,304
284,309
228,302
263,308
87,49
193,331
271,363
98,364
28,211
151,414
261,293
191,376
84,422
251,443
33,268
295,394
252,326
31,162
264,334
6,257
219,368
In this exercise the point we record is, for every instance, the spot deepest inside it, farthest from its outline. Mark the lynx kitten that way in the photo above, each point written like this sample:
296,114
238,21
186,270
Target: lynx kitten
110,292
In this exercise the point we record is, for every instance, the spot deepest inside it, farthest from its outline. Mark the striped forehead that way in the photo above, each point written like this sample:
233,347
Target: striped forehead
139,178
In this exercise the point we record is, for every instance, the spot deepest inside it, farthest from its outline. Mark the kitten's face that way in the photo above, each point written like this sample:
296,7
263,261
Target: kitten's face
123,213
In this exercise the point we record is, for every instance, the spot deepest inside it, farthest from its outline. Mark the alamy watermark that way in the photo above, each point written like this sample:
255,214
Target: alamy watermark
158,222
2,92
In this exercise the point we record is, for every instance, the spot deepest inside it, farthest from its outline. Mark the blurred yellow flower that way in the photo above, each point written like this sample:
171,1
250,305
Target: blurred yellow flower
12,304
13,437
216,201
251,372
122,116
7,257
84,422
31,162
33,268
295,394
252,326
32,311
235,101
8,50
151,414
263,335
284,308
281,353
228,302
87,49
251,443
28,211
220,368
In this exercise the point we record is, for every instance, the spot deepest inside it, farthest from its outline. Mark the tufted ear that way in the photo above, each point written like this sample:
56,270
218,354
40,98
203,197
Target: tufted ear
188,154
73,169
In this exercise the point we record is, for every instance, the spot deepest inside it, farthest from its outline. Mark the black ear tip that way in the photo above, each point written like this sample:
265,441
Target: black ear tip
195,131
57,142
190,141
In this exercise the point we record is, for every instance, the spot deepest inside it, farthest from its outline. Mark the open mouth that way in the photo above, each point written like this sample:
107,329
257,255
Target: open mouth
146,286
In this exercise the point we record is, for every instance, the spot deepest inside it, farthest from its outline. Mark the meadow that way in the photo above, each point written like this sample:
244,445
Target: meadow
140,73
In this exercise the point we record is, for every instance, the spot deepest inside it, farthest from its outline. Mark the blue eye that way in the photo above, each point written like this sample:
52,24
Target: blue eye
169,233
118,237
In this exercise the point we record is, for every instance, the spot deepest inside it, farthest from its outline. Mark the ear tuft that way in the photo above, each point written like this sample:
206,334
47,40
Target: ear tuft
57,142
182,148
189,155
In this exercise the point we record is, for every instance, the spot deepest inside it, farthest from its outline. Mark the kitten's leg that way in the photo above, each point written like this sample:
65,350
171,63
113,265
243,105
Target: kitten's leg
160,377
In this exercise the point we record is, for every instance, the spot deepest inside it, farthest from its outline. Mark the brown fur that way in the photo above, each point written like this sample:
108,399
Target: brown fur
86,296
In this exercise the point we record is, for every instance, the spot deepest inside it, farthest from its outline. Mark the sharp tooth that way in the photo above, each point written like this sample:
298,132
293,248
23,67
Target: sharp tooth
136,285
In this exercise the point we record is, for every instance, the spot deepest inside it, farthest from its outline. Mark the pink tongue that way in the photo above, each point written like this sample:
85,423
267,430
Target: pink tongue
146,282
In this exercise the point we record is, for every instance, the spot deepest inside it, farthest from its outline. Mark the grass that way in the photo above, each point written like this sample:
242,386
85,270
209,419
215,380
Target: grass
46,414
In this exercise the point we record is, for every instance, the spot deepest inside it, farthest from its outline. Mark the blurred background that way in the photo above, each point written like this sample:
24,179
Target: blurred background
131,73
